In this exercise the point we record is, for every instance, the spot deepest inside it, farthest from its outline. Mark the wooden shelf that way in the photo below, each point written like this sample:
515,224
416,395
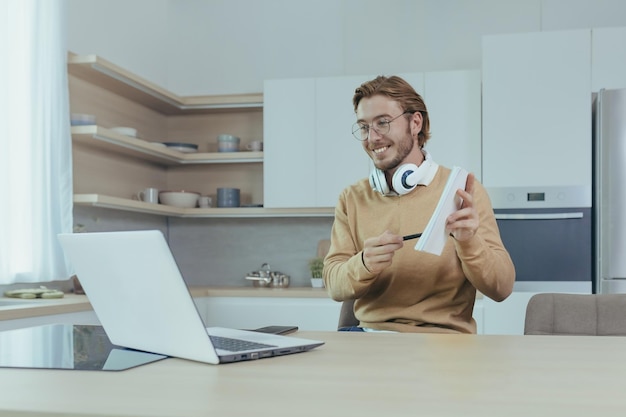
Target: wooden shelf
116,203
109,76
107,140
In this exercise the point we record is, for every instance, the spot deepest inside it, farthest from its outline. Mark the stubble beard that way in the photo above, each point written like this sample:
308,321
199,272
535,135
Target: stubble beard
404,148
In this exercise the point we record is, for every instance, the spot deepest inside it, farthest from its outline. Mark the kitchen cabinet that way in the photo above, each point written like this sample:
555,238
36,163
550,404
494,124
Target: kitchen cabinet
109,168
315,314
506,317
311,155
453,100
608,60
341,160
289,132
536,109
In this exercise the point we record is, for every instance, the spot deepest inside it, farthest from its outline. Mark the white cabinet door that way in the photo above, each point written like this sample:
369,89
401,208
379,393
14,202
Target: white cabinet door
314,314
506,317
310,154
289,165
536,109
453,100
340,158
608,58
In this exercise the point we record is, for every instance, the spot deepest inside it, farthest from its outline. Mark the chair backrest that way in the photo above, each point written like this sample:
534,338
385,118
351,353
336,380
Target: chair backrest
579,314
346,315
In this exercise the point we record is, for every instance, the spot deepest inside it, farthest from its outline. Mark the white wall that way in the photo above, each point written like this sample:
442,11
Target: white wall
201,47
130,33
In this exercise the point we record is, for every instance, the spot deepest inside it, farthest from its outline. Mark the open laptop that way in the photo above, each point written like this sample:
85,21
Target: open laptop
143,303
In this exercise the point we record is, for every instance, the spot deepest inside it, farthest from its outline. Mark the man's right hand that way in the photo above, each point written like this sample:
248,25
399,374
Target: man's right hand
378,251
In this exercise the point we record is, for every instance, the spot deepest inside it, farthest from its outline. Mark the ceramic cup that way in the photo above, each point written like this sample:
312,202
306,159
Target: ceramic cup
255,146
205,201
227,143
228,197
149,195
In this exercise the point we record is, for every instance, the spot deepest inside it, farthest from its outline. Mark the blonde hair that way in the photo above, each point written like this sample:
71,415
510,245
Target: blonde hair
398,90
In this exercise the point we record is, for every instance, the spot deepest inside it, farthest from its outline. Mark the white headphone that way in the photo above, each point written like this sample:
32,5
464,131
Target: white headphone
405,179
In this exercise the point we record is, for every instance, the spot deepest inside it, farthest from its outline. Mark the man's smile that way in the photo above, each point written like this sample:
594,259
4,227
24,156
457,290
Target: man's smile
380,150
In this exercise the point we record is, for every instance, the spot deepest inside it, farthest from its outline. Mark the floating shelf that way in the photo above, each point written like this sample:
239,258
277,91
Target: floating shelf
116,203
108,140
109,76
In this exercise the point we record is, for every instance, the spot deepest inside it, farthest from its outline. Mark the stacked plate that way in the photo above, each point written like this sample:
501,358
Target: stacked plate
181,147
81,119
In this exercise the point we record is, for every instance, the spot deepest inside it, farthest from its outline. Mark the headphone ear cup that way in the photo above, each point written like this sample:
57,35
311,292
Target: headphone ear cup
404,180
378,182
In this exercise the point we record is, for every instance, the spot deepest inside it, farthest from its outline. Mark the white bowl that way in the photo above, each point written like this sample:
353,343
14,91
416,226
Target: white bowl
186,199
126,131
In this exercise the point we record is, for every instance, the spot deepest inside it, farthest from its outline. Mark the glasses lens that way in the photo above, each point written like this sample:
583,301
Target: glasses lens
381,126
360,131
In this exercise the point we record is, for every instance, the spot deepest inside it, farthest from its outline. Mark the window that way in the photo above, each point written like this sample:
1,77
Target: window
35,141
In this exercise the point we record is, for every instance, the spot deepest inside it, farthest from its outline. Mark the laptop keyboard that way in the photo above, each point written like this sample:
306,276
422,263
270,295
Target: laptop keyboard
236,345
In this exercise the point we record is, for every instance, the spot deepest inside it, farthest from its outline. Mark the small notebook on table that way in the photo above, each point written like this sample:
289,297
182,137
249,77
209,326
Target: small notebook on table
434,237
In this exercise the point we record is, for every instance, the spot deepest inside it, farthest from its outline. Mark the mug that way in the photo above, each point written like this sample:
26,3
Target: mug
205,201
149,195
255,146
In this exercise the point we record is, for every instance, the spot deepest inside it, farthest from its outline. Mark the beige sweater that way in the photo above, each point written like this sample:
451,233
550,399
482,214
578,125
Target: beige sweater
419,292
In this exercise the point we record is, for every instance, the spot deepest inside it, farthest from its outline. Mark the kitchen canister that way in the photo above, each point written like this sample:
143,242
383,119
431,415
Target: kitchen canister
228,197
227,143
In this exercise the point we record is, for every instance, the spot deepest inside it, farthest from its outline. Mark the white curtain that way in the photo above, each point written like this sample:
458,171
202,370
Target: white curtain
35,141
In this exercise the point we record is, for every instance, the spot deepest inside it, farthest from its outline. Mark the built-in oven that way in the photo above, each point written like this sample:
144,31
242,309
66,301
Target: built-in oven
548,233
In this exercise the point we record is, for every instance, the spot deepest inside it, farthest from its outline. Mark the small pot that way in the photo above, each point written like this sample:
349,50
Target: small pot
262,277
265,277
279,280
259,281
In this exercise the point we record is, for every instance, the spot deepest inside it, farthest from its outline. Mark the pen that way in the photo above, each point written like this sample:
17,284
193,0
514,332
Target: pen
409,237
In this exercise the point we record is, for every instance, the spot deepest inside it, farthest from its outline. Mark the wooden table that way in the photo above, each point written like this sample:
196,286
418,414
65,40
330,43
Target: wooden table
353,374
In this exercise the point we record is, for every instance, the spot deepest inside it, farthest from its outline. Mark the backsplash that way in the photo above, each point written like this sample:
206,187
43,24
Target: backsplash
221,251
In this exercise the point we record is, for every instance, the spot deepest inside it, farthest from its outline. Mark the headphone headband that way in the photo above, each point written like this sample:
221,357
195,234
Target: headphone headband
404,180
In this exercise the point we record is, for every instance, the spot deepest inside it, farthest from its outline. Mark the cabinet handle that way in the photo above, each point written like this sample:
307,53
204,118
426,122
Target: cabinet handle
539,216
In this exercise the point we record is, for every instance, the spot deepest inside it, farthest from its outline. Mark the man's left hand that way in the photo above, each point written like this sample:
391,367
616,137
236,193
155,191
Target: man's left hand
463,223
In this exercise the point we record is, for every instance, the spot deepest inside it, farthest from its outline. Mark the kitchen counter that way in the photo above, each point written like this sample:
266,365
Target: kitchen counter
15,308
292,292
72,303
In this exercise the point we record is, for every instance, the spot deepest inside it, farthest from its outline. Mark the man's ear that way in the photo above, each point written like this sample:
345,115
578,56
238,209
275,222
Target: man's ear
416,123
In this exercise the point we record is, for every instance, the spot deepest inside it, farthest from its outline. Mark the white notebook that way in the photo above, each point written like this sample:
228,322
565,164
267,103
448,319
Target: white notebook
434,237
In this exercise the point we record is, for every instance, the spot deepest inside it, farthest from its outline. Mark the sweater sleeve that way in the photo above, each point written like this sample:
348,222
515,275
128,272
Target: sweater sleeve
345,275
485,261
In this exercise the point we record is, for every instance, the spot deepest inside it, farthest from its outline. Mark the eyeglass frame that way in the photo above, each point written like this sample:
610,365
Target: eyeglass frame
357,127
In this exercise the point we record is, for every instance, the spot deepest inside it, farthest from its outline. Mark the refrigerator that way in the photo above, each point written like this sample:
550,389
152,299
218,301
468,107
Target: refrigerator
609,190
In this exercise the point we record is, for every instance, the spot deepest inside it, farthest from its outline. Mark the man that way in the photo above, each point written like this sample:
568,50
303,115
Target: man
397,288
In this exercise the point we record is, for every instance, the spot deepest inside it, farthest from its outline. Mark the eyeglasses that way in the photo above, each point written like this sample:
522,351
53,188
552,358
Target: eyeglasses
361,131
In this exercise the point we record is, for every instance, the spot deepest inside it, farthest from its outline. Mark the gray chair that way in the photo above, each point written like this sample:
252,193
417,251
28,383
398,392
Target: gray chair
576,314
346,315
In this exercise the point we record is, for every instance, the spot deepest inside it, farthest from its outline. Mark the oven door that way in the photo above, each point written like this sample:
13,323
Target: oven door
550,247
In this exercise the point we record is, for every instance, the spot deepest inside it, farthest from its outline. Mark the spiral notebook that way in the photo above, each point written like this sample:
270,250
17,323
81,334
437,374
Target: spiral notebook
434,237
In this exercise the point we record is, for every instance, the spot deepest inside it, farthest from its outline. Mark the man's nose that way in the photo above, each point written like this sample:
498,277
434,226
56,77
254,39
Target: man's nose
373,132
